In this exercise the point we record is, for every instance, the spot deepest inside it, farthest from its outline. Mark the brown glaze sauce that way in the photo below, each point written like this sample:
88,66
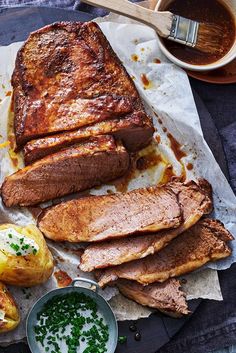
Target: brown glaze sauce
158,138
138,164
63,279
14,161
12,141
122,183
148,161
176,147
167,175
205,11
8,94
12,106
156,61
109,192
146,82
134,57
11,138
189,166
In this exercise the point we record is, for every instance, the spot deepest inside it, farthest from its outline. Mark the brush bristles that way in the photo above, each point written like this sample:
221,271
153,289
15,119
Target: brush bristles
210,38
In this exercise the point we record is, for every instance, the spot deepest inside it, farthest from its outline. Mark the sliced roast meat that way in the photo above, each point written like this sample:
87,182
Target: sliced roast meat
67,76
98,218
166,297
135,131
195,200
73,169
205,241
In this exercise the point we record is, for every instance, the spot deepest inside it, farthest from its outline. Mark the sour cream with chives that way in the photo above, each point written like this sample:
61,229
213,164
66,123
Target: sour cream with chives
17,244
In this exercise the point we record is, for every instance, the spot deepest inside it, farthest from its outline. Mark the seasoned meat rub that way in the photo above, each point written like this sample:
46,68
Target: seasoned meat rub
97,218
204,242
195,200
67,76
167,297
73,169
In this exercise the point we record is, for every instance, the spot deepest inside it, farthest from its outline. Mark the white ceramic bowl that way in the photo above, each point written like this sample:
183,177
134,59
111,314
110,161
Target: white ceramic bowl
231,55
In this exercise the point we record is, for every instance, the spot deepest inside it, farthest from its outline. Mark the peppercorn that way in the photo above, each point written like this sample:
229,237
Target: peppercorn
133,328
137,336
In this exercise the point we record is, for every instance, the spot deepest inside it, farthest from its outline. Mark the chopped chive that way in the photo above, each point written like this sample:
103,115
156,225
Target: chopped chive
122,339
14,246
66,313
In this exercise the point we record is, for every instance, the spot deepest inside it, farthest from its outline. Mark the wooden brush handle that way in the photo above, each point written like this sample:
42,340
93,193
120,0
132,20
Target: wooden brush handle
159,20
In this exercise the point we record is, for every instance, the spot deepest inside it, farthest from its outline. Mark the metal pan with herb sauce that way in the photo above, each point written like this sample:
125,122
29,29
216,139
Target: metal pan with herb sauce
74,320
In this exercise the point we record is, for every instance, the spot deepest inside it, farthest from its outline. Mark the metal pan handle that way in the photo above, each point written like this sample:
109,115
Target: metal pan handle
86,280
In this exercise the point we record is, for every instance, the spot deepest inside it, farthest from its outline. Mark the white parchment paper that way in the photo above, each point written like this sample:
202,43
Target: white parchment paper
170,98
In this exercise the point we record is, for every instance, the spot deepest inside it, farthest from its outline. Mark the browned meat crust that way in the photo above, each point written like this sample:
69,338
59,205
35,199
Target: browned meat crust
194,201
98,218
67,76
134,131
166,297
70,170
204,242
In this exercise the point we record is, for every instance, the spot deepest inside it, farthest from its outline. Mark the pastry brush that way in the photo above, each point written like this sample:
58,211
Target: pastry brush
206,37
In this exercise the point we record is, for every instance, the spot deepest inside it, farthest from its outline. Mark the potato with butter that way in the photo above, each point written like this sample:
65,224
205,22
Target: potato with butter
25,259
9,313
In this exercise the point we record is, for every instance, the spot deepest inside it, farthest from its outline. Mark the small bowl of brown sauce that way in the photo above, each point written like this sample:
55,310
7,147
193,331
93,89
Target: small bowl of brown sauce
220,12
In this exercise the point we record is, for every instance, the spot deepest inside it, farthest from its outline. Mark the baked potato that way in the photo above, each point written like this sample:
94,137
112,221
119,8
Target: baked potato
25,259
9,313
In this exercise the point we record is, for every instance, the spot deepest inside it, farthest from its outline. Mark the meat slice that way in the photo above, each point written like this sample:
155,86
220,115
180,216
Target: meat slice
135,131
204,242
98,218
67,76
70,170
195,200
166,297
